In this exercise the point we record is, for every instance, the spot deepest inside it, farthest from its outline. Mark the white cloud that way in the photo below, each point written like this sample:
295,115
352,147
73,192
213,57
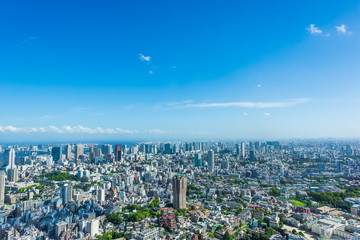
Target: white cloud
314,30
259,86
267,114
156,131
76,129
245,113
144,58
342,28
287,103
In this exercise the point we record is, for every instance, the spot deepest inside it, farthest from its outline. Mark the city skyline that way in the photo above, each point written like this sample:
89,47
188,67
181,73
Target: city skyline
129,71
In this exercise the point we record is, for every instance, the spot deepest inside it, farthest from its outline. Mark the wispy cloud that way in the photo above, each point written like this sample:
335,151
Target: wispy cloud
76,129
245,114
178,103
267,114
342,29
314,30
287,103
144,58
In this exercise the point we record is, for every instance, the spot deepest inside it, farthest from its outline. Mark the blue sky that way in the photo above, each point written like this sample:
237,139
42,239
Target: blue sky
157,70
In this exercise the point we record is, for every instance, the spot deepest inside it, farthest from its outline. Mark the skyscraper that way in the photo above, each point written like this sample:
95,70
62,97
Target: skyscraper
9,159
243,150
238,150
12,175
2,188
118,152
198,160
179,184
56,153
78,151
107,149
211,160
66,193
67,149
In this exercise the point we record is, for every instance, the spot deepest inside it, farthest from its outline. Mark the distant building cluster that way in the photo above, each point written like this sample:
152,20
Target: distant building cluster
181,190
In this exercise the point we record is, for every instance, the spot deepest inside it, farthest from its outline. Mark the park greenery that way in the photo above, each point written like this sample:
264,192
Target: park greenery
134,213
61,176
274,191
112,235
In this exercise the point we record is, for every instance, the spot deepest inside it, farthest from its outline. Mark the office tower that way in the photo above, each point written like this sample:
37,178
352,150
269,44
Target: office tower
107,149
238,150
12,175
66,193
60,227
225,164
92,155
78,151
168,149
211,160
49,161
101,195
179,185
252,155
92,227
2,188
243,150
67,149
97,152
118,152
198,160
56,153
9,159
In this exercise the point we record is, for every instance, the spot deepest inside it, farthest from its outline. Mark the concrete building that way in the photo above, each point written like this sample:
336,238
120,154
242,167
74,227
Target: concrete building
211,160
66,193
179,184
12,175
2,188
9,159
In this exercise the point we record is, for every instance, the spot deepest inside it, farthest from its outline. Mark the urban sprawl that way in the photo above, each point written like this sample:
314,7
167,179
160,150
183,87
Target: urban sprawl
181,190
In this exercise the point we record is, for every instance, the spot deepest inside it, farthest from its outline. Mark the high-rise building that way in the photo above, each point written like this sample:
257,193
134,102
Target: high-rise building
118,153
179,184
252,155
198,159
211,160
56,153
66,193
92,227
2,188
97,152
107,149
101,195
60,228
67,150
78,151
12,175
243,150
168,148
238,150
225,164
9,159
